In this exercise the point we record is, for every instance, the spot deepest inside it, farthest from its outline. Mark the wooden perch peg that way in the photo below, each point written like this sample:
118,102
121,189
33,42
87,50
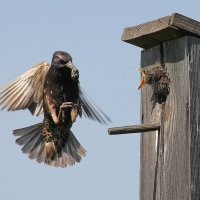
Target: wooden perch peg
134,129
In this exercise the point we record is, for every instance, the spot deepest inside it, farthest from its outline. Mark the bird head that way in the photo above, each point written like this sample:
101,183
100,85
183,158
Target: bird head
63,60
142,82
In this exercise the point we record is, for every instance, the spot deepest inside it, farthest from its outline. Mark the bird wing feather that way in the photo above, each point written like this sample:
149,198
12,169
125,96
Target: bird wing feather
25,91
90,110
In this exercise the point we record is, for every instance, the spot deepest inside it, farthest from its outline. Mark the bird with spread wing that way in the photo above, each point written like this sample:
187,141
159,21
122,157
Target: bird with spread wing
55,91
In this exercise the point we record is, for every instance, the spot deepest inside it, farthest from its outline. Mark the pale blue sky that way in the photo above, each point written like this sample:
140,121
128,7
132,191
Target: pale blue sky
91,32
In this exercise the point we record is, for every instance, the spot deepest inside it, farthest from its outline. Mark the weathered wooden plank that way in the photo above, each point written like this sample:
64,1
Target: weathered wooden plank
166,28
170,164
132,33
191,26
175,161
134,129
194,106
150,113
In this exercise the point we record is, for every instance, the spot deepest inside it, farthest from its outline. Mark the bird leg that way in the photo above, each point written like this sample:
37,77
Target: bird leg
75,111
62,107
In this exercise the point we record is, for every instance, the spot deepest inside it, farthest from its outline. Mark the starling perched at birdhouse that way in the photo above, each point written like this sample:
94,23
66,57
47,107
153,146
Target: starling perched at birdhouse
156,76
55,91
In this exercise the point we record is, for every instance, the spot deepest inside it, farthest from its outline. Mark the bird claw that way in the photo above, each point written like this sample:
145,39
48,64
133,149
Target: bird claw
66,105
75,111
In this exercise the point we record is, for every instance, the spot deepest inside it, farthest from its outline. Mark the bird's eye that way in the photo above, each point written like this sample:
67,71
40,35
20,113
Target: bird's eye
63,61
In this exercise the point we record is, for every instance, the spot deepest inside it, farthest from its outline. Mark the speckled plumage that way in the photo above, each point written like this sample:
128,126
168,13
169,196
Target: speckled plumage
156,76
59,87
55,91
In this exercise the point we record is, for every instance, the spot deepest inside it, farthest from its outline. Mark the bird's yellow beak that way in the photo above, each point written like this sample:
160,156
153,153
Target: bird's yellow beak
142,80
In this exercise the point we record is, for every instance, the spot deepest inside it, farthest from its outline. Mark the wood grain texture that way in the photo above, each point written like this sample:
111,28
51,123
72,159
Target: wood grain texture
184,23
166,28
175,174
134,129
170,159
194,76
150,113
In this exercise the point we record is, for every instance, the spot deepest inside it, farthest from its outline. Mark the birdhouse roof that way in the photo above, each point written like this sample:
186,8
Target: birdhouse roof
166,28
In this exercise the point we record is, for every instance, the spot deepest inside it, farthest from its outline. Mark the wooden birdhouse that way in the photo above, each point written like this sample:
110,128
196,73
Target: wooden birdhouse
170,108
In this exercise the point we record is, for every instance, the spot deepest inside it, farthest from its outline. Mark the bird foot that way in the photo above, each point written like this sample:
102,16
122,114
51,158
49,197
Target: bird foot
66,105
75,111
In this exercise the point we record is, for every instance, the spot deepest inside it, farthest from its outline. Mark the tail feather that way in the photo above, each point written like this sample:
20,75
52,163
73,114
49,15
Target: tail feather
26,138
65,153
73,153
30,145
32,140
26,130
79,152
37,149
41,155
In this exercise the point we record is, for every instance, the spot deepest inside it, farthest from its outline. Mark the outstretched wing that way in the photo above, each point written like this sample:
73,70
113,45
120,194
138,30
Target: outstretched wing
25,91
92,111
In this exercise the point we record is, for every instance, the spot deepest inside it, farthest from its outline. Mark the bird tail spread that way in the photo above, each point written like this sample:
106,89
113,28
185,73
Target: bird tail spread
61,153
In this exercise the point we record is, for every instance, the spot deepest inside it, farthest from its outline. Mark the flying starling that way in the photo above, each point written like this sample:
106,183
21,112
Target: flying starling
55,91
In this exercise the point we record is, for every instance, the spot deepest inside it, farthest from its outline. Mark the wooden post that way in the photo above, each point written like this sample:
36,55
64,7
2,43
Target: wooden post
170,156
